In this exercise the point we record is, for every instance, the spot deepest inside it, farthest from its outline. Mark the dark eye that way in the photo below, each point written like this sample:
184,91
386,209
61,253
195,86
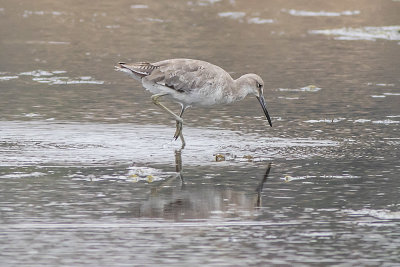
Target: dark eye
259,86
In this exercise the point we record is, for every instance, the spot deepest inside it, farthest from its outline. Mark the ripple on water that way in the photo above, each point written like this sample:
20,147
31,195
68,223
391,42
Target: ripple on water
53,78
289,178
381,214
334,120
133,174
43,142
309,88
17,175
29,13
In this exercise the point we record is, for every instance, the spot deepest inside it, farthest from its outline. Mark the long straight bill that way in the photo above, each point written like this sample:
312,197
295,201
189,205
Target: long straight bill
264,107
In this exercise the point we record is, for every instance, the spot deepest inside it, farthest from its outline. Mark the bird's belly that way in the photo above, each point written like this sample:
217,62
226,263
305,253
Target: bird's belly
206,96
199,98
155,88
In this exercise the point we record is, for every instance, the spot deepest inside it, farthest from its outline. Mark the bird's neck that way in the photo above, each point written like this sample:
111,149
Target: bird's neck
240,88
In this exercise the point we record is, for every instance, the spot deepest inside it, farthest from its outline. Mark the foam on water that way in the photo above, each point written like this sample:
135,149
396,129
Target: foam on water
49,42
363,33
385,94
7,78
258,20
334,120
381,84
392,94
304,13
113,26
31,115
361,121
378,96
238,15
203,2
386,122
139,6
232,15
37,73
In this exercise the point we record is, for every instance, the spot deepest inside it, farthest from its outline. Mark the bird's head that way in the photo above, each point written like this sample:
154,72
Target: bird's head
253,84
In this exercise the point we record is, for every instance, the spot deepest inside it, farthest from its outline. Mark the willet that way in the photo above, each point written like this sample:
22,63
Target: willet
193,83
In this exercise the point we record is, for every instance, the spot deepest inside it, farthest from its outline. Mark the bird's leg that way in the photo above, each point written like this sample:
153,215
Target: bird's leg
183,140
179,120
179,126
156,102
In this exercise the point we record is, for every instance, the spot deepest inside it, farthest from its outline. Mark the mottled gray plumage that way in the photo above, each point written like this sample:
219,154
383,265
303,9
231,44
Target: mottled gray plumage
186,75
183,76
193,83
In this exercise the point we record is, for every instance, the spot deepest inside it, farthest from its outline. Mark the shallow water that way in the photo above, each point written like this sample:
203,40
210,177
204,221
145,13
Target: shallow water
90,176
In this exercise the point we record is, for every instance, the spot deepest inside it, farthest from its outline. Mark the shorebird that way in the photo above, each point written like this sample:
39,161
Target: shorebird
192,83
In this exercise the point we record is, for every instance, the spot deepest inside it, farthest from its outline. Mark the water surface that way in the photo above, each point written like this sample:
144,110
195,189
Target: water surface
90,176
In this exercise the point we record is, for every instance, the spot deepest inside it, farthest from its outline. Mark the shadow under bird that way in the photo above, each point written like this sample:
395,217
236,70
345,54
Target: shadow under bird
192,83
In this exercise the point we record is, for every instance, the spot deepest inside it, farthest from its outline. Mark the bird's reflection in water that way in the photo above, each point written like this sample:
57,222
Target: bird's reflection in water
178,165
178,199
261,185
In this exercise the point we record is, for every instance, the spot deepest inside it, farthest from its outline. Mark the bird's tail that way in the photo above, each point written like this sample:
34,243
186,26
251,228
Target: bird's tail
136,70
